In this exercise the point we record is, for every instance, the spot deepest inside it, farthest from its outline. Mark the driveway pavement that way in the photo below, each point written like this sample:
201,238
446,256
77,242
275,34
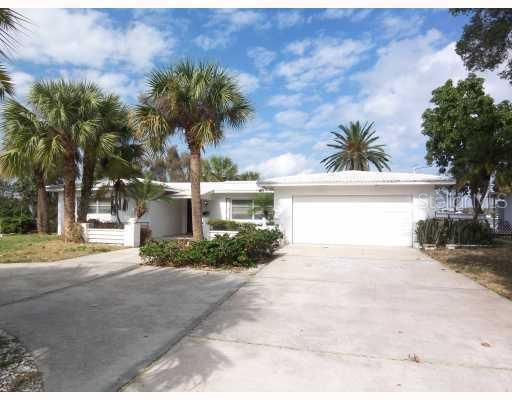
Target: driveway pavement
93,322
346,318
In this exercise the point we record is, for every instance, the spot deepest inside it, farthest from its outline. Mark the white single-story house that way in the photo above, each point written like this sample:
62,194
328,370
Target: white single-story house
232,200
349,207
353,207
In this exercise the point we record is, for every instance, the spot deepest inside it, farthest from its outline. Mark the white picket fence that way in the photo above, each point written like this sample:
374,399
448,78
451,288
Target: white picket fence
127,237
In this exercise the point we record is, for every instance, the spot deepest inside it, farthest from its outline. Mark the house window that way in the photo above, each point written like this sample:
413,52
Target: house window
244,210
99,207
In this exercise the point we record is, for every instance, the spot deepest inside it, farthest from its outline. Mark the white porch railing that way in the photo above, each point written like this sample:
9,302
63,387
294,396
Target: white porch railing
127,237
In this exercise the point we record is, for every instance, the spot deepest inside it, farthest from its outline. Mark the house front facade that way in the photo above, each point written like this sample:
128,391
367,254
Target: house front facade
349,207
233,200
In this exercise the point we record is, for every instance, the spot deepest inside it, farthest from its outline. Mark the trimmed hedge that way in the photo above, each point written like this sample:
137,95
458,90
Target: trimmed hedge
225,225
442,231
245,249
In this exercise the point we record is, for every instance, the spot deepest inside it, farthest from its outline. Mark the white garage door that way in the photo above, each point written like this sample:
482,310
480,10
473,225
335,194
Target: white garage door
357,220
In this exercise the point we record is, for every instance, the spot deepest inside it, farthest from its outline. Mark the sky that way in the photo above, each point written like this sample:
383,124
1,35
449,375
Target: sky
304,71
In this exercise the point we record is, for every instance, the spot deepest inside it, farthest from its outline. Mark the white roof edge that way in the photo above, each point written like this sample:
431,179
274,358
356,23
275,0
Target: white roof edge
412,183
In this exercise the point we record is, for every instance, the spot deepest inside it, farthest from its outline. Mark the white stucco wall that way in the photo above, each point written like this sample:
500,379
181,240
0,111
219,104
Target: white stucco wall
283,200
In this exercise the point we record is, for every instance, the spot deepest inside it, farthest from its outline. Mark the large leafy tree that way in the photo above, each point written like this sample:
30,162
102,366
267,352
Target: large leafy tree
197,101
112,121
248,176
168,165
10,22
69,110
468,136
219,169
486,43
356,149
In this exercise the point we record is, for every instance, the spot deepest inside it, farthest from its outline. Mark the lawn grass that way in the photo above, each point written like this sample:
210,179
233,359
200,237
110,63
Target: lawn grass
489,266
35,247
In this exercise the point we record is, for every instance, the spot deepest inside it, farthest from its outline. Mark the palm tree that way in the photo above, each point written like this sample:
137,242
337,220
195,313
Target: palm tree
10,22
219,169
23,135
69,110
356,149
197,101
144,191
112,118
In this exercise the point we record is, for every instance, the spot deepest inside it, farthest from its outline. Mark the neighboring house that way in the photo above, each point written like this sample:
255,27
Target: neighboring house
232,200
350,207
353,207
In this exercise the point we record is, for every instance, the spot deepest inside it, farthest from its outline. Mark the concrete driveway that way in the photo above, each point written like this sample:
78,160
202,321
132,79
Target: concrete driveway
346,318
93,322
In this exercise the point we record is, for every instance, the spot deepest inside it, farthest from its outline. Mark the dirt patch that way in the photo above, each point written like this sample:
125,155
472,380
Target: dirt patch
18,371
491,266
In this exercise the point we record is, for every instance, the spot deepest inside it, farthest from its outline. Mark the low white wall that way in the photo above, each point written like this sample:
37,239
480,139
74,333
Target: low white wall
129,236
283,200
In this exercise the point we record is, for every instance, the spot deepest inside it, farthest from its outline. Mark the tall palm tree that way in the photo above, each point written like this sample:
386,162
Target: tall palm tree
23,135
197,101
112,118
10,22
69,110
219,169
356,149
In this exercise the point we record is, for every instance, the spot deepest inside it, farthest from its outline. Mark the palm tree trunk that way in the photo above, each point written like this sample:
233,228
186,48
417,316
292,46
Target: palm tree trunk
195,192
42,204
69,175
87,183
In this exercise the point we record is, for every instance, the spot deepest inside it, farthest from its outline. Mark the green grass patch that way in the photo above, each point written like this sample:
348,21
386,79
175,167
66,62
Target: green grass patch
36,247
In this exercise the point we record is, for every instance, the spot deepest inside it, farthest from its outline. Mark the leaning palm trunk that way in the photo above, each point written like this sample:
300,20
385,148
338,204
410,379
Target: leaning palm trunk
42,204
195,194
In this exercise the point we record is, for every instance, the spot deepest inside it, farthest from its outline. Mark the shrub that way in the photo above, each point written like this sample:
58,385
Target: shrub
245,249
15,224
440,231
225,225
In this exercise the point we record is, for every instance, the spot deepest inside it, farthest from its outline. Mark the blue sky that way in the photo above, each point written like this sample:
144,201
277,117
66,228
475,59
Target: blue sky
305,71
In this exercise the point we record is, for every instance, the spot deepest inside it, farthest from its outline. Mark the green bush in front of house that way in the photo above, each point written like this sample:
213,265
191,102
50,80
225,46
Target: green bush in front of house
225,225
442,231
246,249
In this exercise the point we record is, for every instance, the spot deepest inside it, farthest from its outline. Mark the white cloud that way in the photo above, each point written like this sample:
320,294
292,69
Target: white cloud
289,18
284,164
224,23
298,47
285,100
322,60
400,27
89,38
355,15
292,118
22,82
294,100
261,57
248,82
118,83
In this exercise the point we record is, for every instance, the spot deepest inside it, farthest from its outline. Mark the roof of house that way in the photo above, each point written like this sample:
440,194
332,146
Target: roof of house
182,189
356,178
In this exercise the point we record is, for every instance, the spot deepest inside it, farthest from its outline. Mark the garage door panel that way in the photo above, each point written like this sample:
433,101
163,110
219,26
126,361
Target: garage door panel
358,220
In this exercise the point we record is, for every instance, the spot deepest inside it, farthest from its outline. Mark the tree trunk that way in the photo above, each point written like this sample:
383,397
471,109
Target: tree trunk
87,183
42,204
69,176
195,191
